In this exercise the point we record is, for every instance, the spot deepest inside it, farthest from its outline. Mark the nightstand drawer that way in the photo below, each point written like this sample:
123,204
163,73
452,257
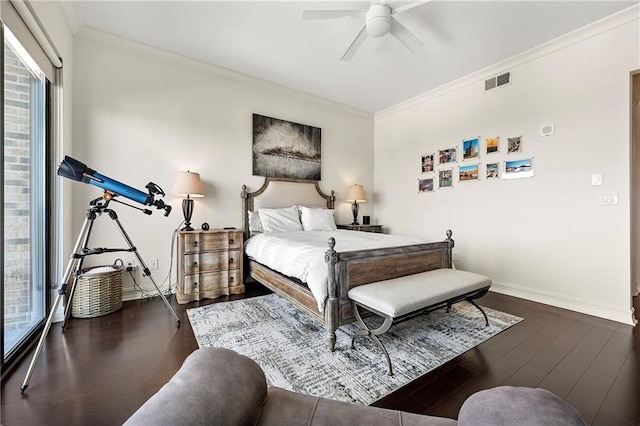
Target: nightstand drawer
199,241
211,261
207,281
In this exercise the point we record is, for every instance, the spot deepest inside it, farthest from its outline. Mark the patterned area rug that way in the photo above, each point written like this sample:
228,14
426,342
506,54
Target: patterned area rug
291,347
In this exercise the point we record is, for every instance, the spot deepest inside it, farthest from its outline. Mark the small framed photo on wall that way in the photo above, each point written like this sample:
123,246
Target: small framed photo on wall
514,144
492,145
471,148
425,185
493,170
445,178
426,161
447,156
469,172
518,169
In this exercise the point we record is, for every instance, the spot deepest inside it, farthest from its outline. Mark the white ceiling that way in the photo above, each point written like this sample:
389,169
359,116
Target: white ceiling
271,41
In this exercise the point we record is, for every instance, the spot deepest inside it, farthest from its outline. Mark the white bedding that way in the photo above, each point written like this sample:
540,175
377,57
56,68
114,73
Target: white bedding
301,254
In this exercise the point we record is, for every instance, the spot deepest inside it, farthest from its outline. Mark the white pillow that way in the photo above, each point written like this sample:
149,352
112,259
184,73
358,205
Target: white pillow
280,220
255,225
317,219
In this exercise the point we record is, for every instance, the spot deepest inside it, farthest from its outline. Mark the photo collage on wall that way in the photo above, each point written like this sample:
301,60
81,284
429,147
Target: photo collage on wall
463,163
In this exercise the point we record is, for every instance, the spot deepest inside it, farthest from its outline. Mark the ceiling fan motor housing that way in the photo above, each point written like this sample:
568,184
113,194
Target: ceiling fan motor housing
378,19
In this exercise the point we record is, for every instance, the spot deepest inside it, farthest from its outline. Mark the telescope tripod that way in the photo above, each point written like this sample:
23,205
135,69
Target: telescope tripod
74,268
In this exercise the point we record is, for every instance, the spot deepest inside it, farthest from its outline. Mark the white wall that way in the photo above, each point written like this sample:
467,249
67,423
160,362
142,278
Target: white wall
142,115
545,238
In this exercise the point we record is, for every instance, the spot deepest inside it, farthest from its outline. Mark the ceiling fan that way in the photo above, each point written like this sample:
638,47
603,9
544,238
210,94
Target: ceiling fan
379,20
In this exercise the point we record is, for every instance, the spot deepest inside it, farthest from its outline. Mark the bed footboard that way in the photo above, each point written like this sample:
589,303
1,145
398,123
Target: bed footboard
351,269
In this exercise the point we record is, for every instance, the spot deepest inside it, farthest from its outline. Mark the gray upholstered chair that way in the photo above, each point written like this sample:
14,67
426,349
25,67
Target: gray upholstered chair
220,387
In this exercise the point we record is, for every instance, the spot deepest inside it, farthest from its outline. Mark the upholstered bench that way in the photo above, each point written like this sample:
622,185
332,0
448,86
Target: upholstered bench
402,298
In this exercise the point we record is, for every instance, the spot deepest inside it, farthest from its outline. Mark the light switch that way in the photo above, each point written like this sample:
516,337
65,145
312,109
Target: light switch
609,198
597,179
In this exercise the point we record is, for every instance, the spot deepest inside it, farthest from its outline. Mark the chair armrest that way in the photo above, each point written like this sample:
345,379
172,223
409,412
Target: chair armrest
512,406
213,386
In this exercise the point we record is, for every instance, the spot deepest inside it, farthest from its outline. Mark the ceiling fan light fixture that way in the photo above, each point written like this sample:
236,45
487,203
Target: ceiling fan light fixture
378,20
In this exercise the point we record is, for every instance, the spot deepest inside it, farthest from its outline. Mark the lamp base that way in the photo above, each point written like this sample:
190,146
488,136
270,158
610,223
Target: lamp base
187,211
354,211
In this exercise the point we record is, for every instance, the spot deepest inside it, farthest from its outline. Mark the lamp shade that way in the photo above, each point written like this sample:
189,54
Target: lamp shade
355,194
187,184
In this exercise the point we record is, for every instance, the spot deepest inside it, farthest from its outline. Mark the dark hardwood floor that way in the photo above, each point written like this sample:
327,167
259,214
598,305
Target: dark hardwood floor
100,370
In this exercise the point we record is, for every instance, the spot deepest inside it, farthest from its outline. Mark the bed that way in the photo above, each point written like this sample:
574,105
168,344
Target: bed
344,269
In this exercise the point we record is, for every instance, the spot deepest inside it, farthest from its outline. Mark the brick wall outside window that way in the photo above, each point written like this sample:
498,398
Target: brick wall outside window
17,253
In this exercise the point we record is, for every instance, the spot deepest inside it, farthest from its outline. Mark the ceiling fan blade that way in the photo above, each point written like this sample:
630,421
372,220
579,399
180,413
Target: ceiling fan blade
330,14
400,9
404,36
355,44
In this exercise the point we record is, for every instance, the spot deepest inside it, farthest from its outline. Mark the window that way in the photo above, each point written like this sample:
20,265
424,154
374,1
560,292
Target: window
24,201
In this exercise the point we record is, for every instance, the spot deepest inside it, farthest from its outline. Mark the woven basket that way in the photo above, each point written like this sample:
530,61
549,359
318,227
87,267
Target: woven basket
97,294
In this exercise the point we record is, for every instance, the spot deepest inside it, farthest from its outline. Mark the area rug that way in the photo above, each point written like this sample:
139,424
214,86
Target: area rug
291,347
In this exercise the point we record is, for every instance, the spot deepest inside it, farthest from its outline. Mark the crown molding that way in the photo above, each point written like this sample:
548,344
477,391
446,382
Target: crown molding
619,19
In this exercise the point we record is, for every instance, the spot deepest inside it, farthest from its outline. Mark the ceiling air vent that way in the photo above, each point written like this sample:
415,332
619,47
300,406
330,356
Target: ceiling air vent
497,81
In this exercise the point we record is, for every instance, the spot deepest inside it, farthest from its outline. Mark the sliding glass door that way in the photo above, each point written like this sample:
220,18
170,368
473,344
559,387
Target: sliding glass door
24,200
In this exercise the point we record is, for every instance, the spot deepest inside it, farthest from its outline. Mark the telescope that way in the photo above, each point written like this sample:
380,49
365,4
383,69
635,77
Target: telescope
73,169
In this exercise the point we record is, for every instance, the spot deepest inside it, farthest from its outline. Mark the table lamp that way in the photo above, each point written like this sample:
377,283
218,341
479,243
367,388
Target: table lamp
355,195
189,185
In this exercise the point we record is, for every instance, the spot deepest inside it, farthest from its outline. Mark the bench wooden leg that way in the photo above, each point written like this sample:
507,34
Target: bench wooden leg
374,334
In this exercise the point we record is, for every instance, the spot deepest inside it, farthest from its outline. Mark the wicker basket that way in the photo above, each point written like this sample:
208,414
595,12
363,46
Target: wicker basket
97,293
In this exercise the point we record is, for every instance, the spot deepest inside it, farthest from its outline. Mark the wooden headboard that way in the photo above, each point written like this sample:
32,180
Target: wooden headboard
281,192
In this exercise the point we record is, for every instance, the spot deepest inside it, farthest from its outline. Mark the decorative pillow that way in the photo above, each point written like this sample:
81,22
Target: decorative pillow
317,219
255,226
280,220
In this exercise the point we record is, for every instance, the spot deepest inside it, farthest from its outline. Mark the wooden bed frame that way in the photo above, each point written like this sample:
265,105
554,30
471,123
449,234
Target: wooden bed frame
345,270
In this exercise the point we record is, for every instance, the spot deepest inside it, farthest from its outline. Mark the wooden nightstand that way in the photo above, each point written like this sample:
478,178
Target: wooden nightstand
209,264
362,228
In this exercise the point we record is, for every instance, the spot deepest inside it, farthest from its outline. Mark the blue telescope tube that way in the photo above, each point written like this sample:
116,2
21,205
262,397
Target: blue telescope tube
73,169
119,188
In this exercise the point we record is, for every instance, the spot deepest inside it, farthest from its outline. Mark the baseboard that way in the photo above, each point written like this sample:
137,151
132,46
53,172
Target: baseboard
609,312
130,294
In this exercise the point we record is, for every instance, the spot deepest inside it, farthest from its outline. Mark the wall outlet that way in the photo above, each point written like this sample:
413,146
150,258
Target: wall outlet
153,263
131,267
455,256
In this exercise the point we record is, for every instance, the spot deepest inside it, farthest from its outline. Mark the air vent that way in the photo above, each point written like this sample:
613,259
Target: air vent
497,81
490,84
